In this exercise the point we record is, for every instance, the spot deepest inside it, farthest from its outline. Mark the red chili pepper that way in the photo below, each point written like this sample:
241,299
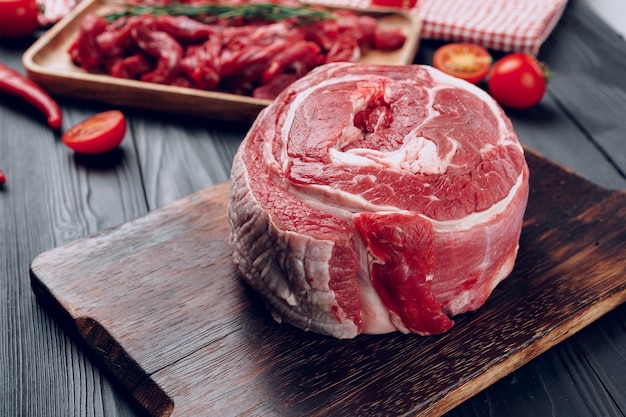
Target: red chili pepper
15,83
3,178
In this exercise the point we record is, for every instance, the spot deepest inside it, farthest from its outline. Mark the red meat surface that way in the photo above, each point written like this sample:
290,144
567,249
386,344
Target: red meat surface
372,198
250,58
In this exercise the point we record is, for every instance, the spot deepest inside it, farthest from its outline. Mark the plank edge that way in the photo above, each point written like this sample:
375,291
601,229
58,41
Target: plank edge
522,355
136,386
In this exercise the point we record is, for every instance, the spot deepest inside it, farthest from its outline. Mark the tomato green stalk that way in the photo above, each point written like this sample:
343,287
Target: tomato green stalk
12,82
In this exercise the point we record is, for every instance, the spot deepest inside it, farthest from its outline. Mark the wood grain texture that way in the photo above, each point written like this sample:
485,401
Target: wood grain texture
53,198
174,165
160,304
591,90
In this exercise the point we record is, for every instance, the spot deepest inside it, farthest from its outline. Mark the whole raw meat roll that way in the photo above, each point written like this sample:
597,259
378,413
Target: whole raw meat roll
373,198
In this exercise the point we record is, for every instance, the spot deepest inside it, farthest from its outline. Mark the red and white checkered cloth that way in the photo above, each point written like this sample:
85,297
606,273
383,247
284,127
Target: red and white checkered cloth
505,25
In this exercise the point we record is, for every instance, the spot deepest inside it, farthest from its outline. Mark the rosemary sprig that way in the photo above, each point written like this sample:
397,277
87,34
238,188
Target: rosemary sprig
248,11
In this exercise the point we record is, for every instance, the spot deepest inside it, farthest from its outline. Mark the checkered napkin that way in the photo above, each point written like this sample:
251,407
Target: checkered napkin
506,25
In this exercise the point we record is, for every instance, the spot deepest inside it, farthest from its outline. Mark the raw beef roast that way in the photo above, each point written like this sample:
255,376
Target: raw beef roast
370,199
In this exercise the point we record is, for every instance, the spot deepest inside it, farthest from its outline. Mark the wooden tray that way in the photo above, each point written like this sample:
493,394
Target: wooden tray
48,64
158,302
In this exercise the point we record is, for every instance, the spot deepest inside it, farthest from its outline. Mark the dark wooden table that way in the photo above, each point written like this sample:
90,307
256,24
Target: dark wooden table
53,197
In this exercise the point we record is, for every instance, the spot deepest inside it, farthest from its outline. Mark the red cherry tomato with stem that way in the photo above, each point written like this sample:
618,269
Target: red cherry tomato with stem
467,61
517,80
18,18
97,134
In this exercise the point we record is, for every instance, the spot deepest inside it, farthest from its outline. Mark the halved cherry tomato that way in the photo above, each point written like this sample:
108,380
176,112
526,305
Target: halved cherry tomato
467,61
517,80
18,17
99,133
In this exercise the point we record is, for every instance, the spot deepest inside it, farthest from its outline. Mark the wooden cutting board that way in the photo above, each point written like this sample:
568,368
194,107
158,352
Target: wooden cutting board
158,303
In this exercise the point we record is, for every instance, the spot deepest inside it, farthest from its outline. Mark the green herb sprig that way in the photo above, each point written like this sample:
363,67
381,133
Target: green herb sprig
248,11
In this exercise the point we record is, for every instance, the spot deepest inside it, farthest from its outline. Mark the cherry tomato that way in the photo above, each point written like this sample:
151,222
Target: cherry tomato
517,80
18,17
99,133
467,61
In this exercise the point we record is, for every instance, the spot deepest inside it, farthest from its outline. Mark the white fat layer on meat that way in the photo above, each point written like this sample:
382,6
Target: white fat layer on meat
417,155
336,202
476,218
343,204
263,252
271,163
